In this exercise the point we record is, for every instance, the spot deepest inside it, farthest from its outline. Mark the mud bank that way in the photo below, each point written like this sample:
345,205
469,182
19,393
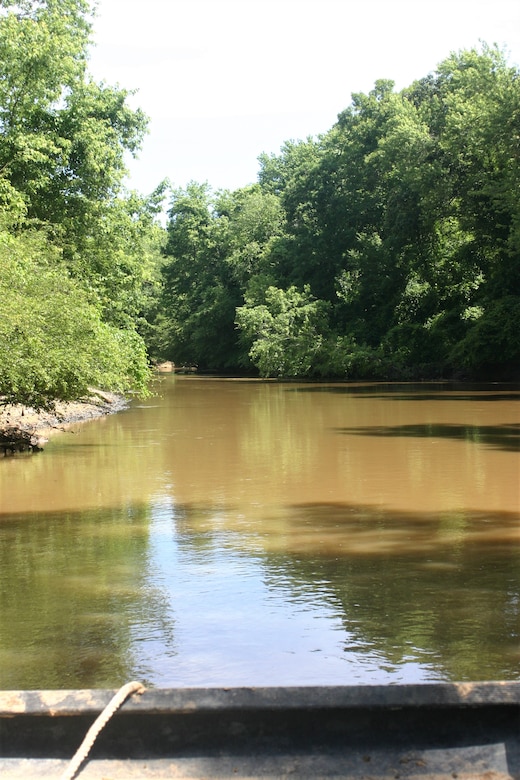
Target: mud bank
23,429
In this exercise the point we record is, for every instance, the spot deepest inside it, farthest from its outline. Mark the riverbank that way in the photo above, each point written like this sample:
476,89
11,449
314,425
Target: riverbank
23,429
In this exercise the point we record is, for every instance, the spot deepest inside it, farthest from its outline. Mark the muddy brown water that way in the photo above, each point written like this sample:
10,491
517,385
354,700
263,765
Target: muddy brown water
237,532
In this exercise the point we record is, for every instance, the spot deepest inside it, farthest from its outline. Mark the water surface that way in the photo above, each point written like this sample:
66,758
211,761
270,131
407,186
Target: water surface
234,532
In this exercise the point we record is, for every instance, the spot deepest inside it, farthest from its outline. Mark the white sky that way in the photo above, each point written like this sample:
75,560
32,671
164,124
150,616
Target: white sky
224,80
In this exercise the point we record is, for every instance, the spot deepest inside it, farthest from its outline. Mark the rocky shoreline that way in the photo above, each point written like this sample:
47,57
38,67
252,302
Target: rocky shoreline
25,430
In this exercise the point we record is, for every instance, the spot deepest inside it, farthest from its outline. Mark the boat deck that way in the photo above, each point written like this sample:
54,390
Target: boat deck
463,731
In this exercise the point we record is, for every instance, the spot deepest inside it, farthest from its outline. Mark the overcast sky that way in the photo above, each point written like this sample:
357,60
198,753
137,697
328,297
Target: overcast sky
224,80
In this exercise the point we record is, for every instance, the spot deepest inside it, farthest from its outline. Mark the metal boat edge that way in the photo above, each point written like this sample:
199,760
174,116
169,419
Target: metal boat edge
432,730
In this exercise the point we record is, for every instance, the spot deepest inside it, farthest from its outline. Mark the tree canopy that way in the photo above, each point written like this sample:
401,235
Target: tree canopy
386,248
76,249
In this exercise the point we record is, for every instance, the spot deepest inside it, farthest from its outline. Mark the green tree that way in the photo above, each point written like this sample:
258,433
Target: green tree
401,226
196,325
62,144
470,254
255,223
289,334
53,342
43,48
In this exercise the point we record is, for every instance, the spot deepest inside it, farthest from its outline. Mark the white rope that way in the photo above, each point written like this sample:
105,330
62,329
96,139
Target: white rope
100,722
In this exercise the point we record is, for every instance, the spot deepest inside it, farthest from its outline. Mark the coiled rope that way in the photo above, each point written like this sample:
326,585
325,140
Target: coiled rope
113,705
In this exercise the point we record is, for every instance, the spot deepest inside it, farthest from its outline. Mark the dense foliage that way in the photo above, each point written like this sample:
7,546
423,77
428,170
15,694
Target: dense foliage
77,252
387,248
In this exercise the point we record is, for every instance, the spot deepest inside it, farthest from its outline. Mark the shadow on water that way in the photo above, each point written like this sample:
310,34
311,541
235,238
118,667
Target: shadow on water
435,588
443,391
440,587
81,604
343,530
503,437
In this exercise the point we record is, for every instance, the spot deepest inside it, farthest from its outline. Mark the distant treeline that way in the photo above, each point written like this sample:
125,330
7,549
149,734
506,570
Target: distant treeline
387,248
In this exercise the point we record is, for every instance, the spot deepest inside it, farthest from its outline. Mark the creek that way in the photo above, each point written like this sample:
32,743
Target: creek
241,532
